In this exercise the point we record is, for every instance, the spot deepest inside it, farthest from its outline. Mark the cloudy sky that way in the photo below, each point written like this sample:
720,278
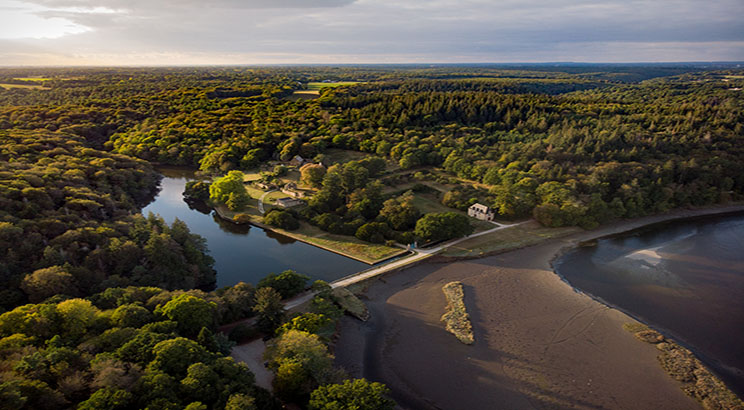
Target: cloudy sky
183,32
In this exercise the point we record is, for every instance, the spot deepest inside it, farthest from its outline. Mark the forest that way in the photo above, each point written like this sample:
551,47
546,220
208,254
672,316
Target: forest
102,307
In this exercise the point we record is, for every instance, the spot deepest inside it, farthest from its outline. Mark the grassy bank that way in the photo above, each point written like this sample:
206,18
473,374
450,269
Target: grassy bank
456,318
526,234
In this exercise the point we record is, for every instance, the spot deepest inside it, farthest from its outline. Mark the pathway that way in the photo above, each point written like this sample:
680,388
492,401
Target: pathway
260,201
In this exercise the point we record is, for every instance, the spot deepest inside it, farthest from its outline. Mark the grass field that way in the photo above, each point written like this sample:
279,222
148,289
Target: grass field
318,85
304,95
341,156
526,234
24,86
32,78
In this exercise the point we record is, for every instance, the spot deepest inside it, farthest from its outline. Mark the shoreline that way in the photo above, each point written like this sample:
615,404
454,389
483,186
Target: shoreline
713,365
519,302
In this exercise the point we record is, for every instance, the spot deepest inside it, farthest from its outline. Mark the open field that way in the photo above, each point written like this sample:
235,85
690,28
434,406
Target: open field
32,78
23,86
251,176
318,85
341,156
520,236
304,95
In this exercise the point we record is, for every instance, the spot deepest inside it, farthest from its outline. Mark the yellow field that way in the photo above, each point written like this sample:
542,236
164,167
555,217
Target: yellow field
24,86
318,85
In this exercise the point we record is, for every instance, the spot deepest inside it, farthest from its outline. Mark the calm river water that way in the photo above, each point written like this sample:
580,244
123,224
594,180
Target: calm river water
683,278
243,252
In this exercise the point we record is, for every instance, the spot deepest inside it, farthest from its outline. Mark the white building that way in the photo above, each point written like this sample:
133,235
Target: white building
482,212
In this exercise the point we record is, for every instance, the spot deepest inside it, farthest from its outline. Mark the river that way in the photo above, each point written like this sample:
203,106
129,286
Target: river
243,252
684,278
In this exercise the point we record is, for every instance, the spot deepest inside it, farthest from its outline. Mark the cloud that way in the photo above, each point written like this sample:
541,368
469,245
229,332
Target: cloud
265,31
193,5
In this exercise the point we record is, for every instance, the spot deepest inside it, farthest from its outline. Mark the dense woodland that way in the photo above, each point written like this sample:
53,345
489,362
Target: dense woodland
109,309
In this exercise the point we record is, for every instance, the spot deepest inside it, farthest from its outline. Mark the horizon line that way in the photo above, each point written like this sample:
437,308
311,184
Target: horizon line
517,63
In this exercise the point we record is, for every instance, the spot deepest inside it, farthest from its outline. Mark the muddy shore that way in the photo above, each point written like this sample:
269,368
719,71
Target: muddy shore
538,342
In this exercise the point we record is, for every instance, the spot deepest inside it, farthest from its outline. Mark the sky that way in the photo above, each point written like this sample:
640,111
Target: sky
226,32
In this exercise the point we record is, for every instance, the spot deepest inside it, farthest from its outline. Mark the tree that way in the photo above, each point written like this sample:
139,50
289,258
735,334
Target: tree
312,175
197,190
306,322
190,312
301,362
77,315
353,176
131,315
374,232
269,308
400,213
366,201
287,283
237,301
229,190
200,383
241,402
442,226
358,394
174,356
107,399
47,282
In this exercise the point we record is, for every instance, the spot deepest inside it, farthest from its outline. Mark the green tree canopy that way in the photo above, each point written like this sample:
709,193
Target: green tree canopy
190,312
357,394
229,190
443,226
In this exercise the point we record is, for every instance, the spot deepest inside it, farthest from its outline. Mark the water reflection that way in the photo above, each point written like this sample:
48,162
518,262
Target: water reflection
244,252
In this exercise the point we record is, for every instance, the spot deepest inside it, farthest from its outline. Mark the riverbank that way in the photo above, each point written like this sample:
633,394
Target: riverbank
538,342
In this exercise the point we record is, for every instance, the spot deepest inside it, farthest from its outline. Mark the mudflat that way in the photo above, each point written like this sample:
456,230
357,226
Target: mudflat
539,344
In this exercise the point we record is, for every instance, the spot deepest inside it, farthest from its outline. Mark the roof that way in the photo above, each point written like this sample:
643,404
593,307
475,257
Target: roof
480,207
